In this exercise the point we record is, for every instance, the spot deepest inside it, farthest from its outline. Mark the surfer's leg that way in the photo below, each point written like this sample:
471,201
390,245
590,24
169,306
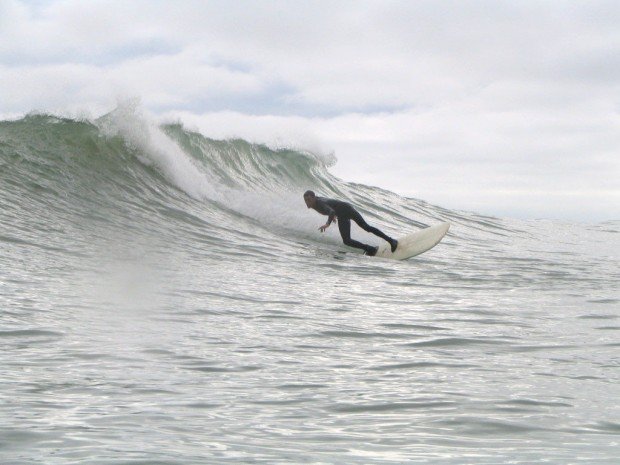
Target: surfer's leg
344,226
366,227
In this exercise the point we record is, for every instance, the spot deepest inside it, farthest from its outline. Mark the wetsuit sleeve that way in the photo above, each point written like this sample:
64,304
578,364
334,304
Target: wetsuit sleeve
325,209
332,216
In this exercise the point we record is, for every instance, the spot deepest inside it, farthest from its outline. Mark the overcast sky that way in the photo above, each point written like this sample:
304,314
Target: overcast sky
500,107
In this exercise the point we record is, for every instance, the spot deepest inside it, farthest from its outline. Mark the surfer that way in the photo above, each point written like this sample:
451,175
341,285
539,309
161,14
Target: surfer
345,213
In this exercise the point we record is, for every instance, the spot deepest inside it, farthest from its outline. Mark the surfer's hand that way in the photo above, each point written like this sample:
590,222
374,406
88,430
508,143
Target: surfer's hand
324,227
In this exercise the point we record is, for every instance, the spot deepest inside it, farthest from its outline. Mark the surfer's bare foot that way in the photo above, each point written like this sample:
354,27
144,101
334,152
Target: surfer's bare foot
393,244
371,251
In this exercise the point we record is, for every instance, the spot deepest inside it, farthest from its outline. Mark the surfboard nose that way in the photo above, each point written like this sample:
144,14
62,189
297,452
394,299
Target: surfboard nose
415,243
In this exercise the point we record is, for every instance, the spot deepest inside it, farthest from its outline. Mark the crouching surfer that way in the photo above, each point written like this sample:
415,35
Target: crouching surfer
345,213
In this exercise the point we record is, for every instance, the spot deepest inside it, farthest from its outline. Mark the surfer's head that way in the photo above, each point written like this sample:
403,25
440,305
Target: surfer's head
310,199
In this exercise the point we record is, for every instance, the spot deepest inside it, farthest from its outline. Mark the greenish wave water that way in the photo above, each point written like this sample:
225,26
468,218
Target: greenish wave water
166,298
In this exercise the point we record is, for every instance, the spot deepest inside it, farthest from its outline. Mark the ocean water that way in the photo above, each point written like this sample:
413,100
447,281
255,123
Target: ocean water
166,298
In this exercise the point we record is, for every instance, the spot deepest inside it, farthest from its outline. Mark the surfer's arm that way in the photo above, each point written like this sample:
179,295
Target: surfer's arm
325,209
325,226
332,218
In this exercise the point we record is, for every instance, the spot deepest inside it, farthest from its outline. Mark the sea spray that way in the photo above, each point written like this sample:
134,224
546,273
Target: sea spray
155,147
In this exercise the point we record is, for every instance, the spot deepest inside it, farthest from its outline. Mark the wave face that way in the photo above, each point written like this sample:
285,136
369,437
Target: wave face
166,297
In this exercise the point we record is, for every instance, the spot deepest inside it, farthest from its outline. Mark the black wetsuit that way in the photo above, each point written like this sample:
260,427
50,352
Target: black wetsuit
345,213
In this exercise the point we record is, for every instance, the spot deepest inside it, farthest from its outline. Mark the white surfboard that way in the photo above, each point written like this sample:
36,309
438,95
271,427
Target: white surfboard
415,243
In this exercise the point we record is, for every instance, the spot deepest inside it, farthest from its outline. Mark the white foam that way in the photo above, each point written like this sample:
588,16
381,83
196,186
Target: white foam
275,132
275,210
155,147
